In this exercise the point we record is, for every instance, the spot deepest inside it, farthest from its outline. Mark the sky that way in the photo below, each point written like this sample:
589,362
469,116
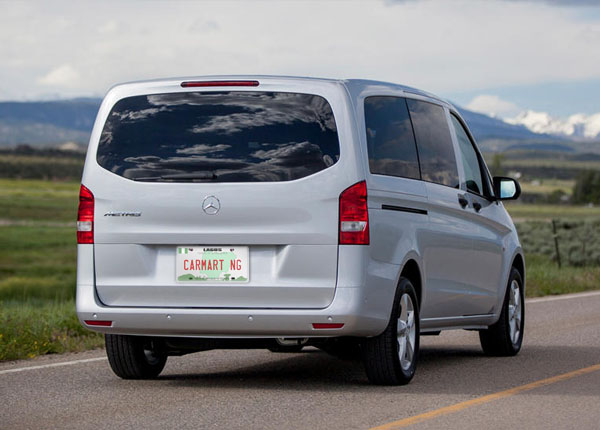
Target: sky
498,56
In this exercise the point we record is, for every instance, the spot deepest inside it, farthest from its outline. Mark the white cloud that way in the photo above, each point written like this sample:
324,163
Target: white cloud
578,125
110,26
82,48
203,26
61,76
493,106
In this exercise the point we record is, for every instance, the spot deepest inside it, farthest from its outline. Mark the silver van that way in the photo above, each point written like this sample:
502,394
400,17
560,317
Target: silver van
280,212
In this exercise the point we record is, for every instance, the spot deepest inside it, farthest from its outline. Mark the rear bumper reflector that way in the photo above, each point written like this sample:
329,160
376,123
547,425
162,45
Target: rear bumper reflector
320,326
99,323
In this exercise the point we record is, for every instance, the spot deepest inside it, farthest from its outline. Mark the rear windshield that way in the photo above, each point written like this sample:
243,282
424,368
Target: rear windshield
219,137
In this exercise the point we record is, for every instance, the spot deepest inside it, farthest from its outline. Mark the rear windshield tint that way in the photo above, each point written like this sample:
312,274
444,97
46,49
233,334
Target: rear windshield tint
219,137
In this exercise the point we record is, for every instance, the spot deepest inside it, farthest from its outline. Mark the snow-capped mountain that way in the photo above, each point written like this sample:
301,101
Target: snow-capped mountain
577,126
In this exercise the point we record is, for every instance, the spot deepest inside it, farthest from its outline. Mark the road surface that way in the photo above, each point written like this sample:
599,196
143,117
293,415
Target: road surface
553,383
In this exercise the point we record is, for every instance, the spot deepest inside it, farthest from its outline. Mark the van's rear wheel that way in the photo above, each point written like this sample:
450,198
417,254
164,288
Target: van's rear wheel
391,357
506,336
134,357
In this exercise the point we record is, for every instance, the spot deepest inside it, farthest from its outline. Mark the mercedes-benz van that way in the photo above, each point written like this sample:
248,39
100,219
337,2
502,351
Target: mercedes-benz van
281,212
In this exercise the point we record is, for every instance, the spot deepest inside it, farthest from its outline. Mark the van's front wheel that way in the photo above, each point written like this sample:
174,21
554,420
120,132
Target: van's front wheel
134,357
391,357
505,337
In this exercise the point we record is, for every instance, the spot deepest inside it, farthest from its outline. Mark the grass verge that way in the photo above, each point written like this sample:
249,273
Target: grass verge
29,329
545,278
37,262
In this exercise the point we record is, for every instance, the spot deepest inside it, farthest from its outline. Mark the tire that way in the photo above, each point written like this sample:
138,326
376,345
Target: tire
505,337
387,358
134,357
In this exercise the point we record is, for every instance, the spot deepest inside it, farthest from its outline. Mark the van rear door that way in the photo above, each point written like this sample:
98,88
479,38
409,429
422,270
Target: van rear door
217,199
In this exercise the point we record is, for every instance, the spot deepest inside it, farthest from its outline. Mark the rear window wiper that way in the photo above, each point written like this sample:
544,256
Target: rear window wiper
196,176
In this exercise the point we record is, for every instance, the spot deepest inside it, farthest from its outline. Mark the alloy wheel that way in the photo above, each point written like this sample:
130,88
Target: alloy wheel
406,331
515,312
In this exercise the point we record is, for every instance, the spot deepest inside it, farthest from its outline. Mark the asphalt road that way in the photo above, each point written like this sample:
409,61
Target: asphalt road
455,386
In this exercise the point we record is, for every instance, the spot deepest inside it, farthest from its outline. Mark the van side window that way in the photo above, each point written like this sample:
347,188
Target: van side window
434,143
390,139
470,160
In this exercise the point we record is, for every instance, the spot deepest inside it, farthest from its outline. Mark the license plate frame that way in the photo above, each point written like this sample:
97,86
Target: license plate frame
212,264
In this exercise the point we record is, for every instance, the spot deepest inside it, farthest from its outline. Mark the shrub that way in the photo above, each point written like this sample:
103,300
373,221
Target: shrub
587,187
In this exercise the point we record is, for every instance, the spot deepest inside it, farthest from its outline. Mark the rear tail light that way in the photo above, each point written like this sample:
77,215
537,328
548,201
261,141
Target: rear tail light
354,216
85,216
191,84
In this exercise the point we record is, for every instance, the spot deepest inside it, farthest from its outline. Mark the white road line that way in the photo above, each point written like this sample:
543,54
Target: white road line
46,366
91,360
563,297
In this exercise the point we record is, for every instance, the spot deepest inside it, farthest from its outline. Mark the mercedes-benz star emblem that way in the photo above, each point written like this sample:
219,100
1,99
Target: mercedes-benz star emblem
211,205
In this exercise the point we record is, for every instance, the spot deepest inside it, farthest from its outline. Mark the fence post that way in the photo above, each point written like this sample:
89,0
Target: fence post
556,243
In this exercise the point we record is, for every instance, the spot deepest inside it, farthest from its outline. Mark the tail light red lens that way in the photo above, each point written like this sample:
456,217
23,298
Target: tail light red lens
191,84
354,215
85,216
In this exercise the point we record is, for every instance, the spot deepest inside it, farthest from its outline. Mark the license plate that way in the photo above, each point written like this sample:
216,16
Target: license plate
212,264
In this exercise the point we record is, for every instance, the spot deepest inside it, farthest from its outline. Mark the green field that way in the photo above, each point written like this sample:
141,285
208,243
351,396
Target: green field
553,163
41,201
38,257
557,160
48,164
527,212
548,186
37,270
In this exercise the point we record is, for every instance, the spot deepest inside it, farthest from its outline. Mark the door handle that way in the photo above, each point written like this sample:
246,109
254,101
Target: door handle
463,201
477,206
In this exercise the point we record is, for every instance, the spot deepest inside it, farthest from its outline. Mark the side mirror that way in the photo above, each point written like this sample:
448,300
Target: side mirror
506,188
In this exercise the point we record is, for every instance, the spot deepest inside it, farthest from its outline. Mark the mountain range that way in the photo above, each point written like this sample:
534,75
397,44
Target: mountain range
47,123
53,123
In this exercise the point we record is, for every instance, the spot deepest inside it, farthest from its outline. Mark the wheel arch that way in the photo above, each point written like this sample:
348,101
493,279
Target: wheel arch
412,271
519,264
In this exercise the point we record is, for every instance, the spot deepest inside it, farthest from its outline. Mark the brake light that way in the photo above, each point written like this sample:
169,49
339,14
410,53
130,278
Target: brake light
85,216
191,84
354,216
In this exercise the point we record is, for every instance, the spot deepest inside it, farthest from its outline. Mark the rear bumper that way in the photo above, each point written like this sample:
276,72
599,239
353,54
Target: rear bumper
362,302
346,308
